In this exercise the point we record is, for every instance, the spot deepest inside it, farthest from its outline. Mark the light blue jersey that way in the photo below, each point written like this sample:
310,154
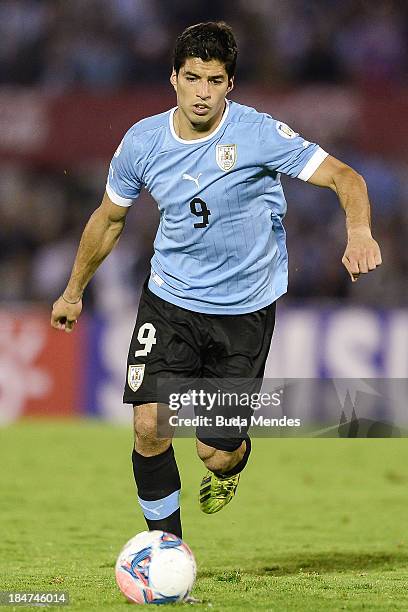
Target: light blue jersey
220,247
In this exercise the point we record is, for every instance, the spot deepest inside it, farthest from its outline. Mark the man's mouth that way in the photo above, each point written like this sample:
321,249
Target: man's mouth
201,109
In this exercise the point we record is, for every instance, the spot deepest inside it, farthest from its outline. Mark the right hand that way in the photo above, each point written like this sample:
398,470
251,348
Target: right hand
64,315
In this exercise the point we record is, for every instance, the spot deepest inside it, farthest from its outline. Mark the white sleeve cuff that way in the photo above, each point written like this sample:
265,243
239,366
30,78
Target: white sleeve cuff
312,165
117,199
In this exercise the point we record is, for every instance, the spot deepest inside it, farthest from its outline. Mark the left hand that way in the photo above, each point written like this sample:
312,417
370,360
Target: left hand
362,253
65,315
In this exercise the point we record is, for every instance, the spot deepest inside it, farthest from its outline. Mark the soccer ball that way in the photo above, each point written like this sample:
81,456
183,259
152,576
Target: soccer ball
155,567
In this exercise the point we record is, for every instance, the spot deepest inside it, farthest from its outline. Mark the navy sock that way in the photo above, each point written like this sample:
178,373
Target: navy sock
241,464
158,484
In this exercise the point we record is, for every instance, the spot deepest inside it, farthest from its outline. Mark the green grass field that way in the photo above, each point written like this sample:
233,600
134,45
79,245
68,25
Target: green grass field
316,525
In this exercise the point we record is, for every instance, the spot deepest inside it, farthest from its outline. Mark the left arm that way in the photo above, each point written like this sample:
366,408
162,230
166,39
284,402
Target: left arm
362,252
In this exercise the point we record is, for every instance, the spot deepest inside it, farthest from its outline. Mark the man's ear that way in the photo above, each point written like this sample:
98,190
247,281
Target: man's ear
230,84
173,79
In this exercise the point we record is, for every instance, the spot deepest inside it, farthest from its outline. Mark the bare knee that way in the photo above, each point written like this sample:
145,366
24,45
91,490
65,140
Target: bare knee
218,460
145,429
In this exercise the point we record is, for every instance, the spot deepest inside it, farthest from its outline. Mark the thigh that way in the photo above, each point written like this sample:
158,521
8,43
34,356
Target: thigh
233,368
238,345
163,346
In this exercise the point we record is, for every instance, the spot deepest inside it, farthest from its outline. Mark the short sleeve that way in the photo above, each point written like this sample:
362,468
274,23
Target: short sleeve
287,152
124,179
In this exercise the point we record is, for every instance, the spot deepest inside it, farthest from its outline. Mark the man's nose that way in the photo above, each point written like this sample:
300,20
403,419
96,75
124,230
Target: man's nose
203,90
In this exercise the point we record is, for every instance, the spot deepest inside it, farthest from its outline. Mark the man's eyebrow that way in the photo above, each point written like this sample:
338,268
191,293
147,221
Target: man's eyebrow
214,76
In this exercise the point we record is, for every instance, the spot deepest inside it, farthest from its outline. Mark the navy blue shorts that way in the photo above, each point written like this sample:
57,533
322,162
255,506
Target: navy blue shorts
170,342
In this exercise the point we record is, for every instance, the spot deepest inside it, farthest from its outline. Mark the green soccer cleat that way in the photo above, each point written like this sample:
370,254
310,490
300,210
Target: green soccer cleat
215,493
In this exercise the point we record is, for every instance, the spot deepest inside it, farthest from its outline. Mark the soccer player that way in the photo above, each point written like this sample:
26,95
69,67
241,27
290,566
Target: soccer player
220,263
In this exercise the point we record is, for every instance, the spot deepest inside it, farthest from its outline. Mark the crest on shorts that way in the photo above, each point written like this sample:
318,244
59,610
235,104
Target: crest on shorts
226,156
135,376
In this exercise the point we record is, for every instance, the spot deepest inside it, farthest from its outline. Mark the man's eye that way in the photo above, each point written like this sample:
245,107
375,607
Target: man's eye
190,78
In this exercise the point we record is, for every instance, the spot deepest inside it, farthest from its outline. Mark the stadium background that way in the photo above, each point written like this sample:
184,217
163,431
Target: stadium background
74,75
317,524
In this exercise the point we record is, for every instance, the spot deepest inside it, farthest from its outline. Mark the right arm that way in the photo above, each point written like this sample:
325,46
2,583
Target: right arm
98,239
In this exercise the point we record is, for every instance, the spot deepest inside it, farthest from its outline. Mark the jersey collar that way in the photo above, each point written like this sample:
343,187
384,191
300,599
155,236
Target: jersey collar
195,140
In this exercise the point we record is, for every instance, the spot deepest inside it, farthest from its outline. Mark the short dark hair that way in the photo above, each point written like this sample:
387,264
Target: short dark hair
208,40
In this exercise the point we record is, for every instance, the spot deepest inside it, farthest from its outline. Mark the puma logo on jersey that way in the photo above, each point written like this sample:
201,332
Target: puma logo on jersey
187,177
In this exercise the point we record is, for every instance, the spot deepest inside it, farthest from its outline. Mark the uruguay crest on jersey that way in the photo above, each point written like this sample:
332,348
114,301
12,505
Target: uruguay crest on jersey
226,156
135,376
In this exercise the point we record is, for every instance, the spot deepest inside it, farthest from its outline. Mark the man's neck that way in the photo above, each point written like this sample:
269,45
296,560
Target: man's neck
189,131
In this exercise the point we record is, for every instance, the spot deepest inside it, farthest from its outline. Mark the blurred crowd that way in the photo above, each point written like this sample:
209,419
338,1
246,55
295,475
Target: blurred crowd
43,212
110,45
61,44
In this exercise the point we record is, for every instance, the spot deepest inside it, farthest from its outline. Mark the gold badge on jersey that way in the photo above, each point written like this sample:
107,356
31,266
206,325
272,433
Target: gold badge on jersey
135,376
285,131
226,156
